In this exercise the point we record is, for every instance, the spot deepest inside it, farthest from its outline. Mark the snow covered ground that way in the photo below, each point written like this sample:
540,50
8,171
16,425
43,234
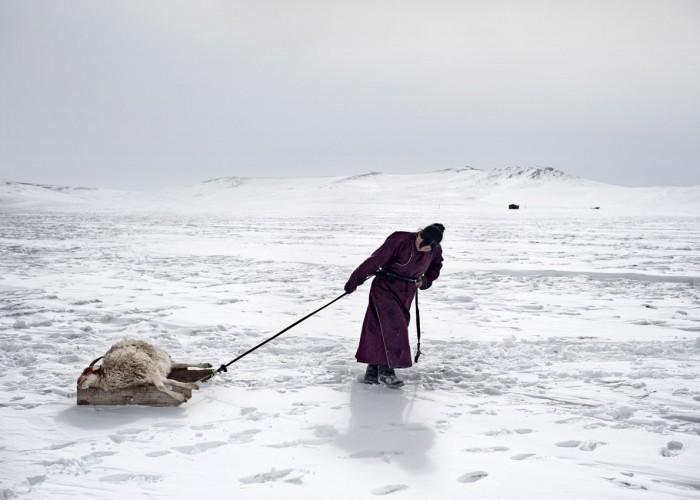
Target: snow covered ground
561,344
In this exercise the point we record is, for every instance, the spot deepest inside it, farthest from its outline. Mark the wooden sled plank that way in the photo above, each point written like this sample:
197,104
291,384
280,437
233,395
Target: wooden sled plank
145,394
190,374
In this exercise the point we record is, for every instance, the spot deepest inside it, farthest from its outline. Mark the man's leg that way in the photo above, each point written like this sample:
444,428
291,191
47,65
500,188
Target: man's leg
388,376
372,374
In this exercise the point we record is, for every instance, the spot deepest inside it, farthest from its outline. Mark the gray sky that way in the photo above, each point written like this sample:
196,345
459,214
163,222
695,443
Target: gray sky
137,94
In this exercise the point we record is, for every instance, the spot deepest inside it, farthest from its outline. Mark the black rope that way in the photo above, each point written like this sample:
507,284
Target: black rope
418,353
224,368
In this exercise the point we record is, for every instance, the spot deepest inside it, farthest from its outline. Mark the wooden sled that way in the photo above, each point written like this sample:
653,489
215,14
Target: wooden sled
145,394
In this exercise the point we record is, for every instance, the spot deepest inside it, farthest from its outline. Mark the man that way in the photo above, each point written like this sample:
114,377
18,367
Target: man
406,261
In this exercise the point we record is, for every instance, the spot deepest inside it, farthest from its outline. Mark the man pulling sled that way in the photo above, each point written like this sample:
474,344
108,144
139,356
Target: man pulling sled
405,262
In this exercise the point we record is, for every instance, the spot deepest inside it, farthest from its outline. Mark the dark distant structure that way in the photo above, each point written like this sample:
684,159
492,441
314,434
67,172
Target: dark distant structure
513,206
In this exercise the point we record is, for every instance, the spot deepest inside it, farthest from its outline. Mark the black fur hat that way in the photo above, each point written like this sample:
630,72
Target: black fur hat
432,233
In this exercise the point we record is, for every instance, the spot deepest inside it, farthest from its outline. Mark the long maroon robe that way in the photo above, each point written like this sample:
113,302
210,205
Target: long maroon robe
384,338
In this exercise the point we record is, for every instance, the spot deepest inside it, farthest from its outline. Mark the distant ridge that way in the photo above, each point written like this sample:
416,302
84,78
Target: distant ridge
50,187
462,189
534,173
460,169
228,181
362,176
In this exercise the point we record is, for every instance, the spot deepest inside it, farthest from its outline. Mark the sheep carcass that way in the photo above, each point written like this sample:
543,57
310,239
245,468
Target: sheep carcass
132,362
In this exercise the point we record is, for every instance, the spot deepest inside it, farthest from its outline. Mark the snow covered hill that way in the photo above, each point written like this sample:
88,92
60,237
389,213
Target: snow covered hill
532,188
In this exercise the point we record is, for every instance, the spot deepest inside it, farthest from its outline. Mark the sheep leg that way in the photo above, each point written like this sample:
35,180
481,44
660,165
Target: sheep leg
177,383
160,385
190,365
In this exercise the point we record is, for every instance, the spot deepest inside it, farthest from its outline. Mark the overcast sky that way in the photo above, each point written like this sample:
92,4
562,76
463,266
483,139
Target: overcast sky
138,94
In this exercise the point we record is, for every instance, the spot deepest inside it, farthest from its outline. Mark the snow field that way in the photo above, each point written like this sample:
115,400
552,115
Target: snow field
561,357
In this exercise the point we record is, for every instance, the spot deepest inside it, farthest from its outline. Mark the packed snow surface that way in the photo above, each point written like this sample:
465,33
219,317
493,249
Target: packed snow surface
561,344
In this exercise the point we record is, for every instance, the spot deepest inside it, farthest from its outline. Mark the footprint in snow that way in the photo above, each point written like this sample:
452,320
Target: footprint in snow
297,443
590,445
285,475
673,448
33,481
582,445
323,431
100,454
60,446
389,489
127,432
157,453
472,477
522,456
486,450
251,413
312,404
568,444
199,447
627,484
245,436
123,435
132,478
298,410
502,432
205,427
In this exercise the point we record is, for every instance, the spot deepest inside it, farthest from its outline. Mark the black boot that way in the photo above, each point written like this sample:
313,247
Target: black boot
371,374
388,376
